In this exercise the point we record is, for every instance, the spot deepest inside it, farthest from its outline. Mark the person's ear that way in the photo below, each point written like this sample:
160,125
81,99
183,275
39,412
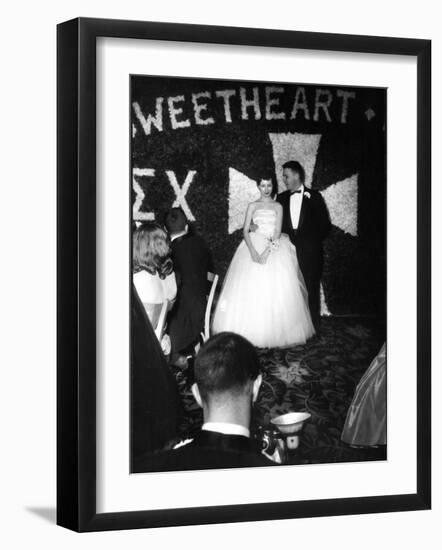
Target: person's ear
256,385
197,395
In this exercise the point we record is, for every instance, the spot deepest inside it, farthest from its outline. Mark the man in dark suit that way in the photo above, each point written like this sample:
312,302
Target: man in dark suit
306,221
227,381
191,260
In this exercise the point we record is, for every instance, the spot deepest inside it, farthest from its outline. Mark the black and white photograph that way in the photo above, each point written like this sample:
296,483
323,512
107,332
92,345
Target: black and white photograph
220,285
258,273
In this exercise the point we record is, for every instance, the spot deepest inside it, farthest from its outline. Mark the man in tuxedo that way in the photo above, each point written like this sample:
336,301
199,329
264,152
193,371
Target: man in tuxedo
227,381
191,260
306,221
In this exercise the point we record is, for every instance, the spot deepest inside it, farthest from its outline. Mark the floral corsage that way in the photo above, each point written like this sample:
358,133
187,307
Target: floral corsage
274,244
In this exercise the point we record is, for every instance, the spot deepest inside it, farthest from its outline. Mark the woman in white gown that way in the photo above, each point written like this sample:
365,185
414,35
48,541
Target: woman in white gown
264,297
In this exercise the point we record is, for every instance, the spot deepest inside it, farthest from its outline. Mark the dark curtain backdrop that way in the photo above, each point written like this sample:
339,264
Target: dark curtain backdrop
348,165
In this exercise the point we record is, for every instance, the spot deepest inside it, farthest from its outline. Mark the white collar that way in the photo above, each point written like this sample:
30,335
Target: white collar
302,189
227,428
176,235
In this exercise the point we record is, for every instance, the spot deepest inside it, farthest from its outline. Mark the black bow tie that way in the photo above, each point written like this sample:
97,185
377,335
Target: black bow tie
294,192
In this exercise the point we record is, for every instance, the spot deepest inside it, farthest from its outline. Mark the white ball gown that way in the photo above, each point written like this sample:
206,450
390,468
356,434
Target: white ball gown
266,303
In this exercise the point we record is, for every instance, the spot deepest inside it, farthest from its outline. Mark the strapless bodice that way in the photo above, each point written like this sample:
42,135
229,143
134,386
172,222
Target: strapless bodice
265,220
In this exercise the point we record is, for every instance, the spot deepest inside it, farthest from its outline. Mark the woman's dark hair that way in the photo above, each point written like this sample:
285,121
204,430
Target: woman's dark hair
272,179
226,362
296,167
151,250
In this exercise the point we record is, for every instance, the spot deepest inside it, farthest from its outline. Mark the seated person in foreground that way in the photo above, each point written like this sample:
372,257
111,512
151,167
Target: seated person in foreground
227,381
191,260
153,275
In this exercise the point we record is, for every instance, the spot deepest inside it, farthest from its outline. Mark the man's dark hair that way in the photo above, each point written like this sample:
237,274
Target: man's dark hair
175,220
297,167
226,362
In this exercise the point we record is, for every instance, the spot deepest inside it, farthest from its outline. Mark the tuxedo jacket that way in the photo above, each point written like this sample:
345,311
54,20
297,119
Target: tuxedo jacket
191,260
314,221
208,450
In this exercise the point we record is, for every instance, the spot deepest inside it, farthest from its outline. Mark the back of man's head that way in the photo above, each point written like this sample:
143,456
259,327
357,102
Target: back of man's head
226,364
176,220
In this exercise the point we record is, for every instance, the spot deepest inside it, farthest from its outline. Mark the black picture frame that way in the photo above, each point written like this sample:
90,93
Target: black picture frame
76,273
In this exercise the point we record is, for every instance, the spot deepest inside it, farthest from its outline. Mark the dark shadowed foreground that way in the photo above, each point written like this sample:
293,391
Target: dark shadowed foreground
319,377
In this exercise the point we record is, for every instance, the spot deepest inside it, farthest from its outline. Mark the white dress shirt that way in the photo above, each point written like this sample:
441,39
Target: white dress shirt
226,428
295,207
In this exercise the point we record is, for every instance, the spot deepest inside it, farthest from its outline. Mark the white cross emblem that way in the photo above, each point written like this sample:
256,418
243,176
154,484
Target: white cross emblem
341,197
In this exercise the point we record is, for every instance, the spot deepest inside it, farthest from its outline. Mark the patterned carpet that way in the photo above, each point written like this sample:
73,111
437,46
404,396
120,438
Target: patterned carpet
319,377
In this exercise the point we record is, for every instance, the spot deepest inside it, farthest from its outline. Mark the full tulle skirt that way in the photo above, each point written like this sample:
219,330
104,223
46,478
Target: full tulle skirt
266,303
